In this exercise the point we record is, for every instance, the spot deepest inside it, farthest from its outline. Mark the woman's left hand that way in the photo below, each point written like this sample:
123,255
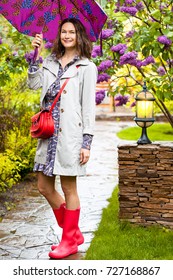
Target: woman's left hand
84,156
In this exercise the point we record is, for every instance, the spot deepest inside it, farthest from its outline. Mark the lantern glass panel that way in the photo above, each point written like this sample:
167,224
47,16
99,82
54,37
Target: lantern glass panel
144,109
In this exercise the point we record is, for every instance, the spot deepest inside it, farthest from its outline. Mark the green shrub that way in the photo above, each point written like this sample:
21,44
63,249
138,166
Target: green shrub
9,172
16,161
17,105
18,156
24,147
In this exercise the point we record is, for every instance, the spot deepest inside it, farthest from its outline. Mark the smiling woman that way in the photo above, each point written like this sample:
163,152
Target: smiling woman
67,151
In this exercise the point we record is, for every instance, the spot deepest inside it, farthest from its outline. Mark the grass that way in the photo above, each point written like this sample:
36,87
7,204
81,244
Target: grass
156,132
115,240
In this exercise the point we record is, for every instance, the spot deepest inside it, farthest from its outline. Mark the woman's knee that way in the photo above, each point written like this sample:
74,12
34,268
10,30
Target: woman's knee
46,185
68,184
44,190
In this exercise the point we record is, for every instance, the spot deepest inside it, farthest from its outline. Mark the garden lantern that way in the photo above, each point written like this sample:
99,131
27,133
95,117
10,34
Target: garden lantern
144,113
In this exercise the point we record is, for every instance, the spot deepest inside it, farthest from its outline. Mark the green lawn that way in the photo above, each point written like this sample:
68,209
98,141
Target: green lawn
115,240
156,132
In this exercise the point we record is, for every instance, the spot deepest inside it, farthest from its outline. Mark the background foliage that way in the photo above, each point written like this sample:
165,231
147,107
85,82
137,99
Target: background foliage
17,104
138,47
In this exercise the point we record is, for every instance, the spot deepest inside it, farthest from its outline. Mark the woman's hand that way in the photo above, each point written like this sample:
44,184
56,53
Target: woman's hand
84,156
38,43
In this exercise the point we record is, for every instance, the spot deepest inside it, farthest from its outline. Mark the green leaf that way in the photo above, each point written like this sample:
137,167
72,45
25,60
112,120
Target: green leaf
166,19
156,14
156,51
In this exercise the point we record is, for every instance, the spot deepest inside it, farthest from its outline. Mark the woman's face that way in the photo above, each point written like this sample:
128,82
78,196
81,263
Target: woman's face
68,35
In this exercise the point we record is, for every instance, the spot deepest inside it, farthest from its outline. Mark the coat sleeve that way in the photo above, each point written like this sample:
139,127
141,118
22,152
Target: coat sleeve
88,98
35,79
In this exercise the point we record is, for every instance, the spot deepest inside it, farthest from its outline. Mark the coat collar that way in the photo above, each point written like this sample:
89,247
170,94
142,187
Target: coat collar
51,64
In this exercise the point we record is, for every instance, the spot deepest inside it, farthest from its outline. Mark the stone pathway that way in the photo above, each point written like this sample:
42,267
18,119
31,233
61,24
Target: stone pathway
28,231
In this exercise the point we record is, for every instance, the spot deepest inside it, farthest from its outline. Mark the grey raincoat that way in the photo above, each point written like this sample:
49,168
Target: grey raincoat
77,112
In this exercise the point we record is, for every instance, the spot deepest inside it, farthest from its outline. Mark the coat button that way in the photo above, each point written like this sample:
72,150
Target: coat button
64,91
62,110
80,124
60,129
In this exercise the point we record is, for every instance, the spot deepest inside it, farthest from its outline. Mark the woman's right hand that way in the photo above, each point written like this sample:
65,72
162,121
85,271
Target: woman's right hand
38,43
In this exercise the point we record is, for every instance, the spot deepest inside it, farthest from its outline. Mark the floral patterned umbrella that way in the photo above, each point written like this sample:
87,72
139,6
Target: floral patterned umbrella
34,16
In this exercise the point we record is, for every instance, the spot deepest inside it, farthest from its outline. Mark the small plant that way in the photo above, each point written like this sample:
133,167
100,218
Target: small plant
9,205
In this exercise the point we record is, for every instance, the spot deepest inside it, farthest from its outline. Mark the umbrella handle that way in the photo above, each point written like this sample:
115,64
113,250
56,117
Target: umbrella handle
35,54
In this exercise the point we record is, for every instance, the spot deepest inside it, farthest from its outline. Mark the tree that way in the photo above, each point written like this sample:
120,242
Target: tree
138,47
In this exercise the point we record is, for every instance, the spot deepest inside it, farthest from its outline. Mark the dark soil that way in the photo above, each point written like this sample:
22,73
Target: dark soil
9,199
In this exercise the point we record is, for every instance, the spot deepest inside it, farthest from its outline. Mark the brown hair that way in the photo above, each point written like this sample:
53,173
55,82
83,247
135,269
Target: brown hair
83,45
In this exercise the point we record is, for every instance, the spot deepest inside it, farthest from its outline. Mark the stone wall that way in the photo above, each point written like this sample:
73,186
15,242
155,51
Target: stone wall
146,183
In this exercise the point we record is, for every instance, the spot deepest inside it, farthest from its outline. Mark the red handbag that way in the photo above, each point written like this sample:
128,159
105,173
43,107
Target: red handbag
42,123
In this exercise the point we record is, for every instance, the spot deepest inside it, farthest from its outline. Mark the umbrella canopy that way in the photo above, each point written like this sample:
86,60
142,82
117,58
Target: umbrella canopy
34,16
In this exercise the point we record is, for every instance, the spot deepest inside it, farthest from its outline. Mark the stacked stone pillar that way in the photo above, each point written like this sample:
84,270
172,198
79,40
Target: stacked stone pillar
146,183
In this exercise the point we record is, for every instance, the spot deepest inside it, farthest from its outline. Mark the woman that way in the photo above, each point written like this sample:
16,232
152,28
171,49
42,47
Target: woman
67,151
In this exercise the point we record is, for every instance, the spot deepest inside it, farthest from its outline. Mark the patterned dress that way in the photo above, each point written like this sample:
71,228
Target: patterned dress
48,167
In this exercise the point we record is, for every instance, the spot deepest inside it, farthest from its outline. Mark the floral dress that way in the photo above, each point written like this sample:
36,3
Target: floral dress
48,167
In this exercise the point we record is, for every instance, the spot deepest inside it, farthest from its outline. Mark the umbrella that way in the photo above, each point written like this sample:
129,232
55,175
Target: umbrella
34,16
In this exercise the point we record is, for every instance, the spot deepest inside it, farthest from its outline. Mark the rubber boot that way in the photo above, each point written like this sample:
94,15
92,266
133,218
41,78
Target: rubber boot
59,215
68,244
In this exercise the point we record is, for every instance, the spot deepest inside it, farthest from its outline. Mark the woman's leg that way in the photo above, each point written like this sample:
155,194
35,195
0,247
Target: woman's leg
72,204
69,187
71,232
46,186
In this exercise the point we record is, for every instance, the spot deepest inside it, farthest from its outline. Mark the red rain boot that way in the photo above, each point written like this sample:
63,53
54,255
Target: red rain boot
68,244
59,215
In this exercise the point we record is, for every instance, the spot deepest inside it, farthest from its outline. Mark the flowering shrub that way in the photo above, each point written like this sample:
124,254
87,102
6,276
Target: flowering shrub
137,44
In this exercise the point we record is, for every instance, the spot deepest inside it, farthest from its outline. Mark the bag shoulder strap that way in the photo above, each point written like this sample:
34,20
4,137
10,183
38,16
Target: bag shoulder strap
59,93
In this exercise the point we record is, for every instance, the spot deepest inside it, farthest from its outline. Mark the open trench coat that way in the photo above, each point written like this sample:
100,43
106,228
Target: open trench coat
77,112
